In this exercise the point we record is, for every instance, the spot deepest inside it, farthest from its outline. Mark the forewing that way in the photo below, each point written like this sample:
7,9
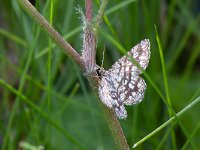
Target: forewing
140,53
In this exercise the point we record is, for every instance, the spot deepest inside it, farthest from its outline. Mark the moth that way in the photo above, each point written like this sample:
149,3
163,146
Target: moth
121,84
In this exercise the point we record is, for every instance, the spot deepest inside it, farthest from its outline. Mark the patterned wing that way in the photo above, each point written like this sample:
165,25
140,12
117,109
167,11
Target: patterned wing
117,91
109,95
140,53
121,84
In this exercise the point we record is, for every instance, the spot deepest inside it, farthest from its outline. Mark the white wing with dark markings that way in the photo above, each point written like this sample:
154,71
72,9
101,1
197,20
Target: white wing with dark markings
121,84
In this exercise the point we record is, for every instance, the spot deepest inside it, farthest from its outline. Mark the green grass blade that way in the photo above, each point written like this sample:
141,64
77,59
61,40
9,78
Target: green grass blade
49,76
163,69
166,84
42,113
17,99
170,109
192,134
113,41
117,7
179,114
13,37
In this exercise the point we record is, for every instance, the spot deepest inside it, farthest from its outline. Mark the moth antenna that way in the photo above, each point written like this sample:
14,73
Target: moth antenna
103,57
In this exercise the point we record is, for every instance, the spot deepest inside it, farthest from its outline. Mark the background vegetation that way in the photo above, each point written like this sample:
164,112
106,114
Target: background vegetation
45,99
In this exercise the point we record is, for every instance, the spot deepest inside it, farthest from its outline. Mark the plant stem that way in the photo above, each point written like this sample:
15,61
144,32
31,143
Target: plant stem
116,129
88,7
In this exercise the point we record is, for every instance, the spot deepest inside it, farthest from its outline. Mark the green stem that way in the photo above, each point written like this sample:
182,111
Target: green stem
168,122
99,17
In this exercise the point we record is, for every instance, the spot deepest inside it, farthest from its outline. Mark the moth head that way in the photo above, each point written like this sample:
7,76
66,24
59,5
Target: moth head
100,72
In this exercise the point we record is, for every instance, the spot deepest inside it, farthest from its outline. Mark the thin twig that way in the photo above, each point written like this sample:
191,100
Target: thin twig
26,5
88,7
116,129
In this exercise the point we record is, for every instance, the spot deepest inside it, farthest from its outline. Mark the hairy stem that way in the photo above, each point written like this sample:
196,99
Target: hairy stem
89,56
88,7
89,49
89,40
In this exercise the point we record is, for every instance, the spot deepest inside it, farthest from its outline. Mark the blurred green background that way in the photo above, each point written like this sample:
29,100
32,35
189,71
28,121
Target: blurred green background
63,95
